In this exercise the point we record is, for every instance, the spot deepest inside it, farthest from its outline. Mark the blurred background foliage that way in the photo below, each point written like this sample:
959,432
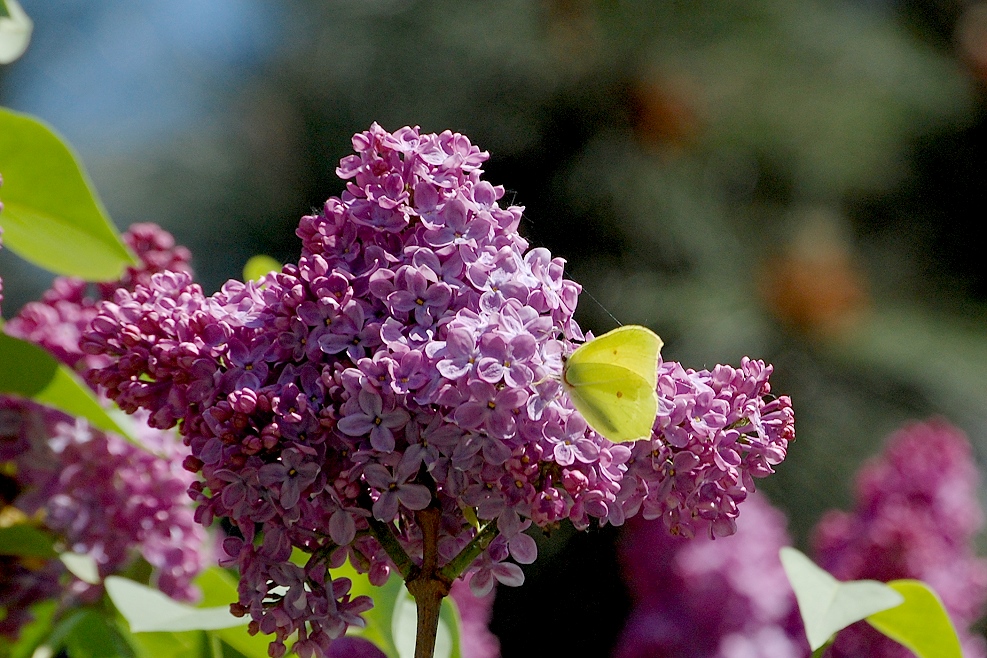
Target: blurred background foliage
793,180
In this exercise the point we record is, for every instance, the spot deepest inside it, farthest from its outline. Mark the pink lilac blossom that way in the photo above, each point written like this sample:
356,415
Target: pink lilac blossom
475,612
411,358
58,320
23,583
700,598
101,496
915,516
97,493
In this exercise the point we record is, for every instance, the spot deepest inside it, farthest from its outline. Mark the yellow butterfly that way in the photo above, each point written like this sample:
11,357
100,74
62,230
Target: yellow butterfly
611,381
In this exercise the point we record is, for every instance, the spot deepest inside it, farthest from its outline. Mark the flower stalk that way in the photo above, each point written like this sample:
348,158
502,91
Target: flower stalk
427,584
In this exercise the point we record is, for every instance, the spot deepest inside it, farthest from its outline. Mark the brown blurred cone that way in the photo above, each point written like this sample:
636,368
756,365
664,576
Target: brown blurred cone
664,111
971,39
814,285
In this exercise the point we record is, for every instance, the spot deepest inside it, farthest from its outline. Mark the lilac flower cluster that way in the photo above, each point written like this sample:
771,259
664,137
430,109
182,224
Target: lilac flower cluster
58,320
100,496
475,612
411,359
916,515
701,598
23,583
95,492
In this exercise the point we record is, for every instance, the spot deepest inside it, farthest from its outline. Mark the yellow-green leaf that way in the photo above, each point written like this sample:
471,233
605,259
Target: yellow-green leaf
828,605
920,623
25,540
147,609
51,215
28,371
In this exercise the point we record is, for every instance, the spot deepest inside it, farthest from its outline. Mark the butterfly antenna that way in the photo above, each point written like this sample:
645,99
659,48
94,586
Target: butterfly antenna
605,309
526,219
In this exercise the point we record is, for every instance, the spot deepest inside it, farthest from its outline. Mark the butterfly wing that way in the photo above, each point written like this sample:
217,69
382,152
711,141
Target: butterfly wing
615,401
633,347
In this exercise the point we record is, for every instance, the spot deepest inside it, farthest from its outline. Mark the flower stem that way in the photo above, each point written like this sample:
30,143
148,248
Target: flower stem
385,536
427,584
466,556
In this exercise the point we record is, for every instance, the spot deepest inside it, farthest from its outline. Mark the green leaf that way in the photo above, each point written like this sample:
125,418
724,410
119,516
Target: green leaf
920,623
250,646
15,31
82,567
29,371
51,216
26,541
404,628
828,605
258,266
92,636
34,632
147,609
449,615
162,644
167,645
218,587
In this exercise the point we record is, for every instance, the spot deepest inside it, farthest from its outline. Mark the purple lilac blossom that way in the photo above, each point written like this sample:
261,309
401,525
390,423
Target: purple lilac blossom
97,493
700,598
915,516
353,646
101,496
58,320
475,612
25,582
415,348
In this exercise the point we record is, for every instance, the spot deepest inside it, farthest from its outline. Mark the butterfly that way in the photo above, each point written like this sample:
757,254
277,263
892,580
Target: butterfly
611,381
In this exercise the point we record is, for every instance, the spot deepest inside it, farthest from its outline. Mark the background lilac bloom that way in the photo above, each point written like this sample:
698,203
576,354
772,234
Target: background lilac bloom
99,494
475,639
436,430
705,598
57,321
916,514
